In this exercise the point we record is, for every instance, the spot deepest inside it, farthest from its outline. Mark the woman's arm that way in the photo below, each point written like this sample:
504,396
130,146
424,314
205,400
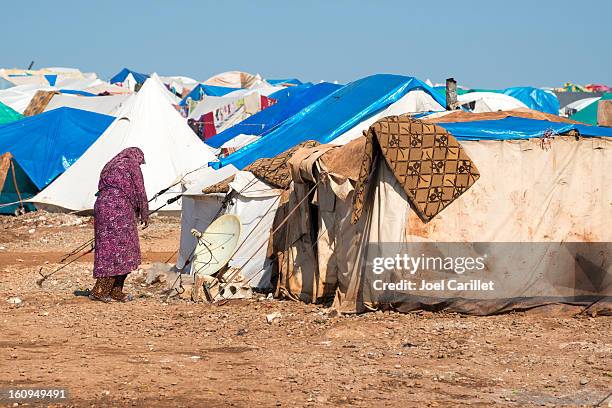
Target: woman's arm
140,194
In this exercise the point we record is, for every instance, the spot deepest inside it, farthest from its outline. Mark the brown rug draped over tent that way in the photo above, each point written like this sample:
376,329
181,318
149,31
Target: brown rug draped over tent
426,160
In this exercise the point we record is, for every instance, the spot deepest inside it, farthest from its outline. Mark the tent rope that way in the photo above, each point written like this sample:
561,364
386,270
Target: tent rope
283,221
16,185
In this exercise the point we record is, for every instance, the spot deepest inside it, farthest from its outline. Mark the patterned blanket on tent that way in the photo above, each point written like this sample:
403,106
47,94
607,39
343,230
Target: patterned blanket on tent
428,162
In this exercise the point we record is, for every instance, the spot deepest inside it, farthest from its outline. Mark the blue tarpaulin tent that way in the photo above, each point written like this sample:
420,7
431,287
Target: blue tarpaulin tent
268,119
46,145
290,81
535,98
123,74
201,90
331,116
517,128
289,91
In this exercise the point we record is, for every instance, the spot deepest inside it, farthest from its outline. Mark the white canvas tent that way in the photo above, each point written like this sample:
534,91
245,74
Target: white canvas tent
416,101
489,102
577,106
107,105
18,97
253,201
149,122
234,79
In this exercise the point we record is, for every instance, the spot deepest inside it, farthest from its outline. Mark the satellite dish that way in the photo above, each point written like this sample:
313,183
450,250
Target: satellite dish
216,245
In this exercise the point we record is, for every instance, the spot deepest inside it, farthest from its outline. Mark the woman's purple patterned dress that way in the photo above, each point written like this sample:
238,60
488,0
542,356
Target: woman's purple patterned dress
121,199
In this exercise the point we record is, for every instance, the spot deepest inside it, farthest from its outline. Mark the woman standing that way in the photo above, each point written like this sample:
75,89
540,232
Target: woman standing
122,199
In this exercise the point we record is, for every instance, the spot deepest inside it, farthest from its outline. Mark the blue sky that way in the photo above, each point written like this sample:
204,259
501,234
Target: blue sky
480,43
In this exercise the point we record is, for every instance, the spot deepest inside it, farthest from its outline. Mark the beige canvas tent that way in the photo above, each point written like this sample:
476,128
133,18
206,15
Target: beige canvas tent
536,209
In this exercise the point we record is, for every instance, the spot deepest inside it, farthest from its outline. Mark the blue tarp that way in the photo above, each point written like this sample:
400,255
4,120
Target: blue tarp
292,81
199,91
331,116
535,98
512,128
263,122
289,91
51,79
75,92
120,77
46,145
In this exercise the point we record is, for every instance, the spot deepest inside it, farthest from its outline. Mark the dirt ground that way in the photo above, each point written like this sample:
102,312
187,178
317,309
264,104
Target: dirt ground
151,353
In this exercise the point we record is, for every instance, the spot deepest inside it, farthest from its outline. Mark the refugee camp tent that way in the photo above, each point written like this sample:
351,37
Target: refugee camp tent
215,114
234,79
565,98
179,85
18,97
268,119
44,146
330,117
588,114
198,210
535,98
416,102
15,187
8,115
255,203
107,105
578,105
146,121
247,194
290,91
364,206
128,78
479,102
285,82
201,90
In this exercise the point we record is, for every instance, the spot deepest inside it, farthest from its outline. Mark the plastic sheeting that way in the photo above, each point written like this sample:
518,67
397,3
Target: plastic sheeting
331,116
289,91
588,114
263,122
513,128
107,105
535,98
202,90
291,81
46,145
123,74
479,102
8,115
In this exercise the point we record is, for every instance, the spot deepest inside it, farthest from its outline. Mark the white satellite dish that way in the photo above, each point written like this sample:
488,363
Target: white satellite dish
216,245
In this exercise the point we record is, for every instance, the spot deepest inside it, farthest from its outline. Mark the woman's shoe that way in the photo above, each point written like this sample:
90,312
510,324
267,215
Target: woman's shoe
105,299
